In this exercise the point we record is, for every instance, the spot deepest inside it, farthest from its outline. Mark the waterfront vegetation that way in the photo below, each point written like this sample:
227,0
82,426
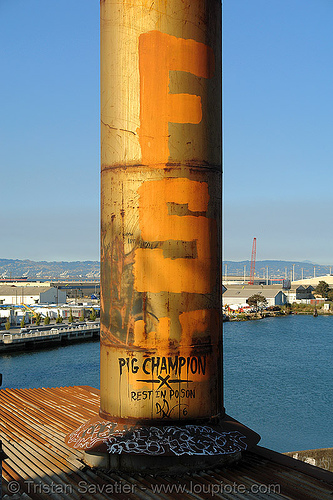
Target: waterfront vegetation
246,316
296,308
285,310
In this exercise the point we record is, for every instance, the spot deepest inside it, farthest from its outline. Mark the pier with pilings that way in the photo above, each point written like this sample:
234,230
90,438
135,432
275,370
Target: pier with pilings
33,339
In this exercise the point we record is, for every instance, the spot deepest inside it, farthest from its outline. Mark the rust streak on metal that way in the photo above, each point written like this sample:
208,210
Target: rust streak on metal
161,211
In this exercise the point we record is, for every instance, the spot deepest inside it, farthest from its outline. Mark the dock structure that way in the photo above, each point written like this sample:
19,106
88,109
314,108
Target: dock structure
39,465
37,339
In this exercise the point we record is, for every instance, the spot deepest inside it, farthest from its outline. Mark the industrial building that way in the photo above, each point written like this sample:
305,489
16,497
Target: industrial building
299,293
30,295
328,278
236,296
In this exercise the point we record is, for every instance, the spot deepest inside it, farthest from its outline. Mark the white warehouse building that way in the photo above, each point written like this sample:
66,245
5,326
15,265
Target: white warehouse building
17,295
236,296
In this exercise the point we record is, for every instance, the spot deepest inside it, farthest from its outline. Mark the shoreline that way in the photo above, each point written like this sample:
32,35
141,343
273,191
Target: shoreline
270,314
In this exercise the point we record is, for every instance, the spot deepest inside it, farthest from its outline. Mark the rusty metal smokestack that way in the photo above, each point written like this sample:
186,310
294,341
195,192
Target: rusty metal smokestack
161,331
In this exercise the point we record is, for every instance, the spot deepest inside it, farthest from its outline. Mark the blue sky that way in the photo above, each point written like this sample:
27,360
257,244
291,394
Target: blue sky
278,124
49,128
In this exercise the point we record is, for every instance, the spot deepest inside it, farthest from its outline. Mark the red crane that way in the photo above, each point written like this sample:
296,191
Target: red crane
253,261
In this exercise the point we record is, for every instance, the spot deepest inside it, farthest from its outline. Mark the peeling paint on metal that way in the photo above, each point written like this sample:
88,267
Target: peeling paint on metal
161,211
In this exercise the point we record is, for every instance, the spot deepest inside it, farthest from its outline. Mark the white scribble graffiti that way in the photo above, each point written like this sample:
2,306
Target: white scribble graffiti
172,440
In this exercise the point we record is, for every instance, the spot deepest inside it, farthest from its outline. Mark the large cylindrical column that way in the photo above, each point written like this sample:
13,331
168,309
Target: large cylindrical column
161,210
161,331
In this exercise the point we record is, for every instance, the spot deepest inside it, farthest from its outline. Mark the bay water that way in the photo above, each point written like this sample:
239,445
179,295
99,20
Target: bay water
278,376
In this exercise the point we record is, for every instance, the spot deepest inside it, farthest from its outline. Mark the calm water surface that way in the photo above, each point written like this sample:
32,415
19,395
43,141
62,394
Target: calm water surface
277,377
75,364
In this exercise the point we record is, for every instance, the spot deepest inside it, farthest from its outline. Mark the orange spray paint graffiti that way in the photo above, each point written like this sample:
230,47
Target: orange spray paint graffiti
160,331
159,54
155,273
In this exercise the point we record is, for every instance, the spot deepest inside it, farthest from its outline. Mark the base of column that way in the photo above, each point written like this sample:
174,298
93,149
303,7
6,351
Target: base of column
161,447
162,465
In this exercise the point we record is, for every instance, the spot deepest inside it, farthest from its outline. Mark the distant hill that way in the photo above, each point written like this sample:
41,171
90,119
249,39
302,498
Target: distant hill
276,268
81,270
90,270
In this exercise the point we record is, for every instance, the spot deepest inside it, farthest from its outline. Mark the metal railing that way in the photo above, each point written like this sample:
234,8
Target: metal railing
8,338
